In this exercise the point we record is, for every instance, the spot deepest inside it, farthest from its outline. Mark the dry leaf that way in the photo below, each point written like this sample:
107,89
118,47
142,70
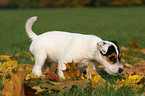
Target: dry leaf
4,57
29,91
127,65
52,76
134,44
72,72
142,51
90,72
39,90
124,48
131,81
53,67
95,80
8,88
15,87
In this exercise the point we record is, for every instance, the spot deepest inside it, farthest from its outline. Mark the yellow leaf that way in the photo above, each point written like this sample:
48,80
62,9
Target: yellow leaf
130,81
127,65
135,78
39,90
95,79
90,72
49,91
4,57
31,76
1,67
32,58
124,48
10,63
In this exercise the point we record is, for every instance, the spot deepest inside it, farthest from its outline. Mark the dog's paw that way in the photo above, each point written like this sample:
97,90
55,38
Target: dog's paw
60,73
37,72
61,66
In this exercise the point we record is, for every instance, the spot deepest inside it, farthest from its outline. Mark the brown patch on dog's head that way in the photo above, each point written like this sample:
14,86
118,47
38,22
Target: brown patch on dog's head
110,56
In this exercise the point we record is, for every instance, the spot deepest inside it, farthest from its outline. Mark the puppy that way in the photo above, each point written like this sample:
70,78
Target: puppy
65,47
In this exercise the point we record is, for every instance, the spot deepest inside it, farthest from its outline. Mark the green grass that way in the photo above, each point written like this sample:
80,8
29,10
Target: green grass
120,24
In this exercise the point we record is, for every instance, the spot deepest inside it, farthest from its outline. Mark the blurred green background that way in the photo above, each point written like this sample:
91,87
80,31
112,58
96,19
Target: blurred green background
67,3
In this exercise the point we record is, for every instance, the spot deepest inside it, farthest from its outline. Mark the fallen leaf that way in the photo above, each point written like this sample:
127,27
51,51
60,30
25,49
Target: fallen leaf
80,84
95,80
72,72
90,72
39,90
53,67
15,87
29,91
57,86
52,76
8,88
4,57
18,81
131,81
127,65
134,43
32,76
142,51
124,48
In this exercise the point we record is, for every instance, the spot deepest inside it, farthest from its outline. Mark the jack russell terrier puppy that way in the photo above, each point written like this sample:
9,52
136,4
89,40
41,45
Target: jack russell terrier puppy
65,47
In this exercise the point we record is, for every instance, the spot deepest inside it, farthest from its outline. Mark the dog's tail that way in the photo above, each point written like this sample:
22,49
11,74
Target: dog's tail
28,27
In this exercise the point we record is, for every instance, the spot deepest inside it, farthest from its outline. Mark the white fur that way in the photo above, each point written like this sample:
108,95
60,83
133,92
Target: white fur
63,47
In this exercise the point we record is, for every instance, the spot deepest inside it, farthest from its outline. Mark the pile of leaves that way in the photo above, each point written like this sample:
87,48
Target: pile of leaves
18,79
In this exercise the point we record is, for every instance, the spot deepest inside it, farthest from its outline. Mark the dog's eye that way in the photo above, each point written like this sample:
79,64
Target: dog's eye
112,58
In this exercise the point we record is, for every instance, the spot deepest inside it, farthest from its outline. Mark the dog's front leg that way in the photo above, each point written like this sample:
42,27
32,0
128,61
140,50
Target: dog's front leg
61,67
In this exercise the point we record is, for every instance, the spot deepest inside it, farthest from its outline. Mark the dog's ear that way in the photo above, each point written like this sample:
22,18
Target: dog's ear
103,46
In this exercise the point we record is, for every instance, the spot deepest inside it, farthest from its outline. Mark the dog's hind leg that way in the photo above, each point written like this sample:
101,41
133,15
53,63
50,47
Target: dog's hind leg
39,62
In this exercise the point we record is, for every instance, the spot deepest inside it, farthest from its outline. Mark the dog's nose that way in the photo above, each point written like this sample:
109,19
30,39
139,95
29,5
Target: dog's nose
120,70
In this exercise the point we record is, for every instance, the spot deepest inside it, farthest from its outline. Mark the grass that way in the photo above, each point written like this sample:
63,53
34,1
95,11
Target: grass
120,24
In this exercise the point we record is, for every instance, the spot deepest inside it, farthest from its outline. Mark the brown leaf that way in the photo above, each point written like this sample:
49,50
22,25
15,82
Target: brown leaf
52,76
30,91
18,80
137,69
8,88
80,84
53,67
39,90
124,48
72,72
142,51
127,65
15,87
134,44
65,85
57,86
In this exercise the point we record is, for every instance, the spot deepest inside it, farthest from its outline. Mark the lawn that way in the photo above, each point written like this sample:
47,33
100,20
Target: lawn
120,24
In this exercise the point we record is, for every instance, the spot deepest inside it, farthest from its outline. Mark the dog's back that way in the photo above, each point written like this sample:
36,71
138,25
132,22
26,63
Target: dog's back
58,44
